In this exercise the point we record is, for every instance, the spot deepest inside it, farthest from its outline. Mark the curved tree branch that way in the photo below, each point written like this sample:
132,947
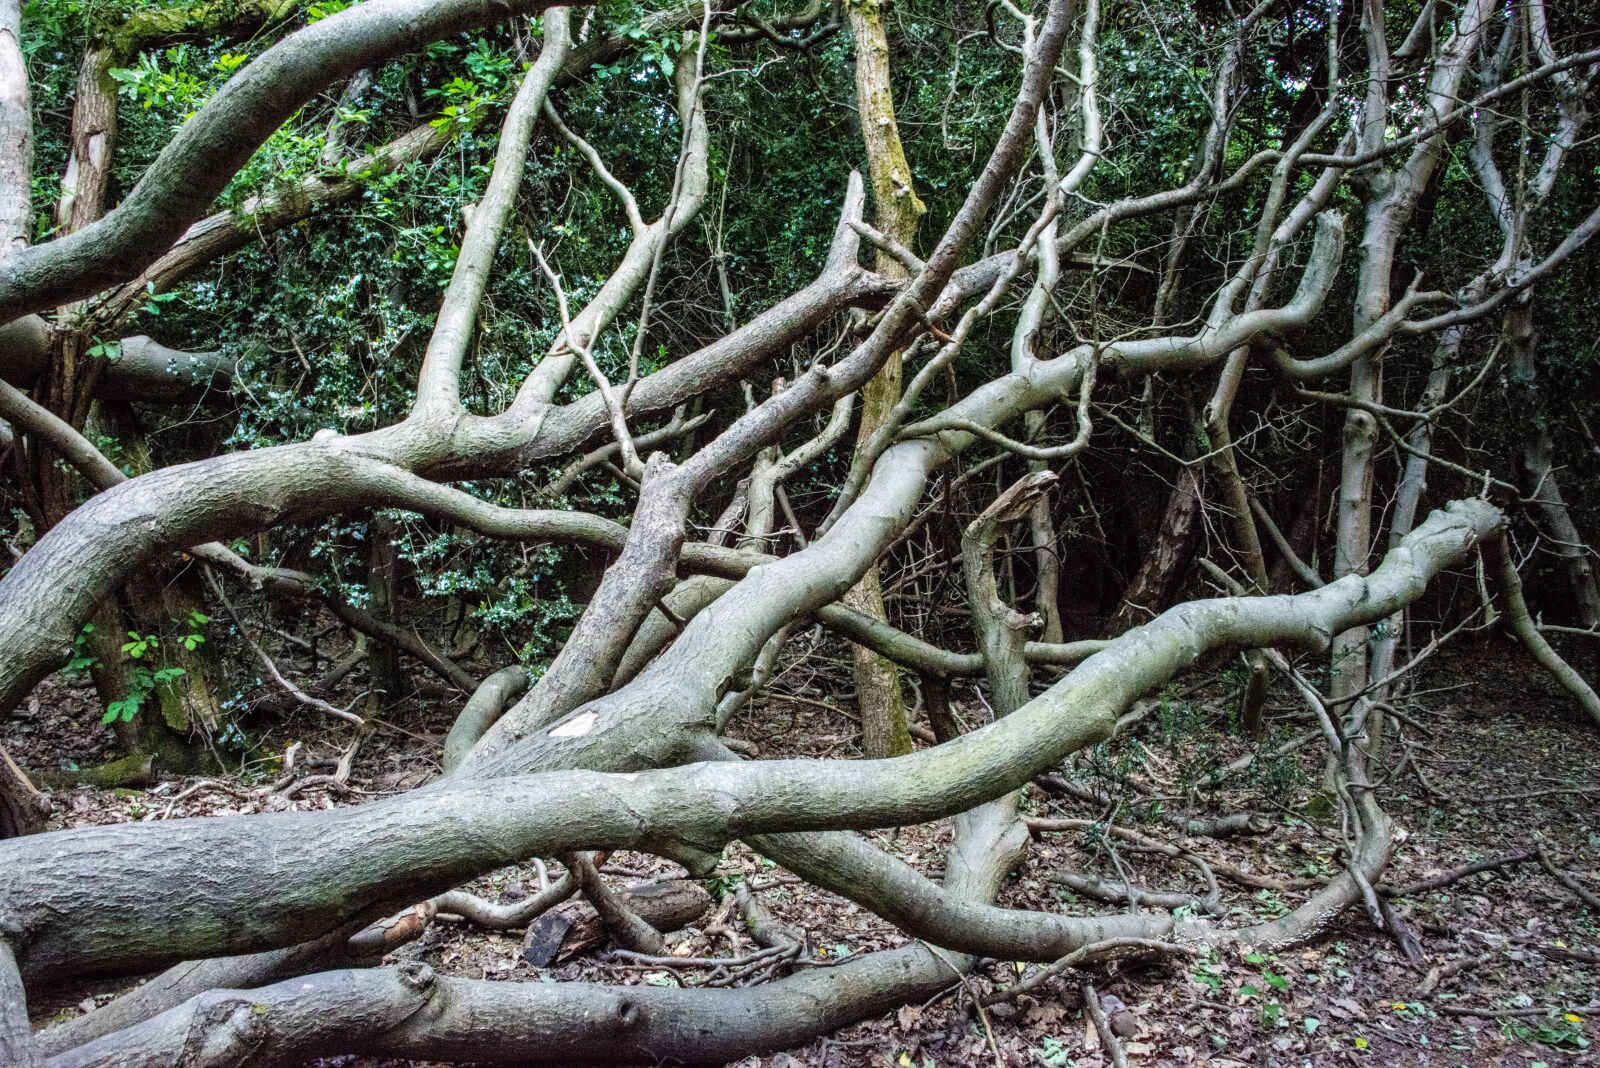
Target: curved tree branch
212,145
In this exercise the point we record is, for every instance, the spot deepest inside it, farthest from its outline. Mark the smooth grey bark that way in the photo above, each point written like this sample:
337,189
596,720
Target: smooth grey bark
96,898
1521,624
414,1014
184,981
645,572
1391,200
249,491
944,442
17,1047
408,1012
588,661
728,635
1001,629
243,492
439,381
16,135
486,705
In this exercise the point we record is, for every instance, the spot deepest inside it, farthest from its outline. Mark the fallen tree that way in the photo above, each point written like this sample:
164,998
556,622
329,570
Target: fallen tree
619,741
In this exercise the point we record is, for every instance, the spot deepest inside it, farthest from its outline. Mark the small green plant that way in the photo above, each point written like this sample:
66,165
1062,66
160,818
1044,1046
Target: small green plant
723,885
1052,1053
1270,1010
143,678
138,645
1559,1032
465,104
1209,970
82,659
142,682
194,638
153,300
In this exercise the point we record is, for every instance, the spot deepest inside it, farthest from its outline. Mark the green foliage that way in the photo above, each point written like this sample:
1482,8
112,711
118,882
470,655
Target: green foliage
169,80
136,645
1563,1031
330,317
82,658
145,676
1053,1053
462,104
142,682
1269,1007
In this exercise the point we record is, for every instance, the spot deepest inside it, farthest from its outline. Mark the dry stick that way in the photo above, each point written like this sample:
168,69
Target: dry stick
1488,1011
272,669
1303,570
1226,870
1440,973
203,784
1395,926
647,960
1584,632
1523,627
623,923
1566,879
977,1003
688,123
1455,875
1091,1005
632,466
676,427
498,917
1093,951
340,779
1568,953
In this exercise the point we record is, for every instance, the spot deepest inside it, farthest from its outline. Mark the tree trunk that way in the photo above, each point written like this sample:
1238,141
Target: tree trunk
1539,471
1156,583
896,211
384,676
1242,525
23,809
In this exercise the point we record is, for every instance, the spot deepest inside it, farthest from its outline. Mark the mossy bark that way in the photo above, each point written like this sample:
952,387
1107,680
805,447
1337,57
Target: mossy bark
896,212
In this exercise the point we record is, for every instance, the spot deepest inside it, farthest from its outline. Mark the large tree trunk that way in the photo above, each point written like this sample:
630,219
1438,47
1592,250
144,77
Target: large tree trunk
896,211
1540,475
23,808
1165,564
1391,201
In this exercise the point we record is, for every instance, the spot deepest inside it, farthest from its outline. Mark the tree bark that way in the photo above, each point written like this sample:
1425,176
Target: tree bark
23,809
385,678
1539,471
896,212
16,135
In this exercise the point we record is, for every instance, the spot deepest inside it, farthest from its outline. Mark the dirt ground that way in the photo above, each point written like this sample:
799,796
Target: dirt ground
1496,760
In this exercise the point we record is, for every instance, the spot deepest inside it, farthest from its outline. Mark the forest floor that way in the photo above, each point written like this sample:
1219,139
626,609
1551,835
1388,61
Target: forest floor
1500,761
